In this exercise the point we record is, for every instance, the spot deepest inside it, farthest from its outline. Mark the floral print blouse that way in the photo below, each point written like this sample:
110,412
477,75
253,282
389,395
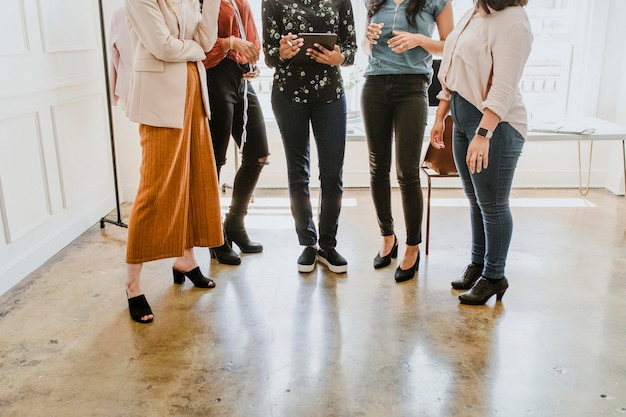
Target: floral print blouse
308,83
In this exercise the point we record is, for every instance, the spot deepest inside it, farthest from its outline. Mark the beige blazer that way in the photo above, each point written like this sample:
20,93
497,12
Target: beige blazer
121,53
166,34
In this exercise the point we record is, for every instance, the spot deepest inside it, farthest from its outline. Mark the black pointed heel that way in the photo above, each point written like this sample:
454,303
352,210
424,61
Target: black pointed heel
195,276
138,308
383,261
402,275
483,290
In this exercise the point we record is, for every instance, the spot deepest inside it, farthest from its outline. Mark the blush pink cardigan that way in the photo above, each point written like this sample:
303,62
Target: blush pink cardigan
483,61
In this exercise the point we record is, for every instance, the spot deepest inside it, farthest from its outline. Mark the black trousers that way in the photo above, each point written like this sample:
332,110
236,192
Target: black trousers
395,109
226,96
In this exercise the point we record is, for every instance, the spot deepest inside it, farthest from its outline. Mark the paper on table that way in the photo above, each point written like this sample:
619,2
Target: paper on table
561,127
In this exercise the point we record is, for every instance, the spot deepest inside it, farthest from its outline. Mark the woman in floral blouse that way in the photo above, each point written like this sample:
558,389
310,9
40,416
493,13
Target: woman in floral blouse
311,95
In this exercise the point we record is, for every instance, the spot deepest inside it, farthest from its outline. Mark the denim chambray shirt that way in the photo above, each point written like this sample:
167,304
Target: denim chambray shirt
384,61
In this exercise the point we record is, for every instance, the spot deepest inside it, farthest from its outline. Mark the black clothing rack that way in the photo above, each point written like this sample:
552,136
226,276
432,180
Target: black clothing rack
105,61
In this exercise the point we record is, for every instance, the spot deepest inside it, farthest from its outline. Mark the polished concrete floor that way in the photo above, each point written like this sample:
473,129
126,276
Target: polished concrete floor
269,341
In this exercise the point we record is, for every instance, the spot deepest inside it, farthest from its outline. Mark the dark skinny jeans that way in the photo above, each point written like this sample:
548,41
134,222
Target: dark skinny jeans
488,191
328,123
226,92
395,109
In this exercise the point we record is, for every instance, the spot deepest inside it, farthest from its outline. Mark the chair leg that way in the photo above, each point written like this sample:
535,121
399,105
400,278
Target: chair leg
428,215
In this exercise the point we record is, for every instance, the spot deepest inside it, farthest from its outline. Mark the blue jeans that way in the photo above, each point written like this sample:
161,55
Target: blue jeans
488,191
328,121
396,106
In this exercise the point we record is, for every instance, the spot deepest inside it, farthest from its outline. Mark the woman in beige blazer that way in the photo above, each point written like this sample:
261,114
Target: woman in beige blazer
177,206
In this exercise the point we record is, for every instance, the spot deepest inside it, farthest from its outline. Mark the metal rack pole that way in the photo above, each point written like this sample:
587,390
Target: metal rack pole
105,60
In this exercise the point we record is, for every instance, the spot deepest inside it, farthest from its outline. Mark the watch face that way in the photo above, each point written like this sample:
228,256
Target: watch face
481,131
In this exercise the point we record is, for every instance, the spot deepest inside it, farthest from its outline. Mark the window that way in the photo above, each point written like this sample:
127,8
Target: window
546,82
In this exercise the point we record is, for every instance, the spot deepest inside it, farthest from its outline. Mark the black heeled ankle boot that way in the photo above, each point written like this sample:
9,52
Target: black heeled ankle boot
195,276
469,276
402,275
243,187
224,254
236,232
483,290
383,261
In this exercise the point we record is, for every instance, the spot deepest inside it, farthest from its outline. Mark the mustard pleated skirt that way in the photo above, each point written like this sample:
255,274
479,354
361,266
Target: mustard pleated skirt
177,205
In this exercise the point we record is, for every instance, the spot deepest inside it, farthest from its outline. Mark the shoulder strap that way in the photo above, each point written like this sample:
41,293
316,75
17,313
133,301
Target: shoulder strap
242,30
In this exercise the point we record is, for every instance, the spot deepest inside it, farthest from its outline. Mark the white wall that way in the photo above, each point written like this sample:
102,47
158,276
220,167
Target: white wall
55,164
545,165
612,90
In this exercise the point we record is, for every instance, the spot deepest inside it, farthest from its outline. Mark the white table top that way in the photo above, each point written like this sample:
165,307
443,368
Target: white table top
597,129
570,129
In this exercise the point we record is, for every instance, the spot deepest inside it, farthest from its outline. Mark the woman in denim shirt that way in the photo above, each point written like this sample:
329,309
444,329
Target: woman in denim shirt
395,107
308,96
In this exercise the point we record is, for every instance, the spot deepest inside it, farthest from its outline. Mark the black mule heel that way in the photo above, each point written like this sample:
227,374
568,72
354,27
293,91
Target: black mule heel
195,276
138,308
179,277
383,261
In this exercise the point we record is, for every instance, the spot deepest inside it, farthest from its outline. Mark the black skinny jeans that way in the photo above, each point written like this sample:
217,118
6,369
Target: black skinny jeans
226,92
395,109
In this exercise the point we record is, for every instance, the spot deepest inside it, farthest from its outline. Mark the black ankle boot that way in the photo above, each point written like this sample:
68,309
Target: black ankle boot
469,276
225,255
483,290
243,187
236,232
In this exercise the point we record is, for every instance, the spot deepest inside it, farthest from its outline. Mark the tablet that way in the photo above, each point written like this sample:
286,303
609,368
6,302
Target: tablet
327,40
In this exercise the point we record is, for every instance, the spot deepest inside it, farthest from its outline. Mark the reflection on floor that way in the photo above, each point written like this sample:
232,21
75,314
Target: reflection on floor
269,341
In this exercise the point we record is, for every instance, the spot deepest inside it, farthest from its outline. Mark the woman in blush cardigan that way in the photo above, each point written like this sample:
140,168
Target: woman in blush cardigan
483,61
177,206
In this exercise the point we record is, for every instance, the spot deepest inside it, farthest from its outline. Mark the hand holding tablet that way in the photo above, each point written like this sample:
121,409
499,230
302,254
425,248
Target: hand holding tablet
327,40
